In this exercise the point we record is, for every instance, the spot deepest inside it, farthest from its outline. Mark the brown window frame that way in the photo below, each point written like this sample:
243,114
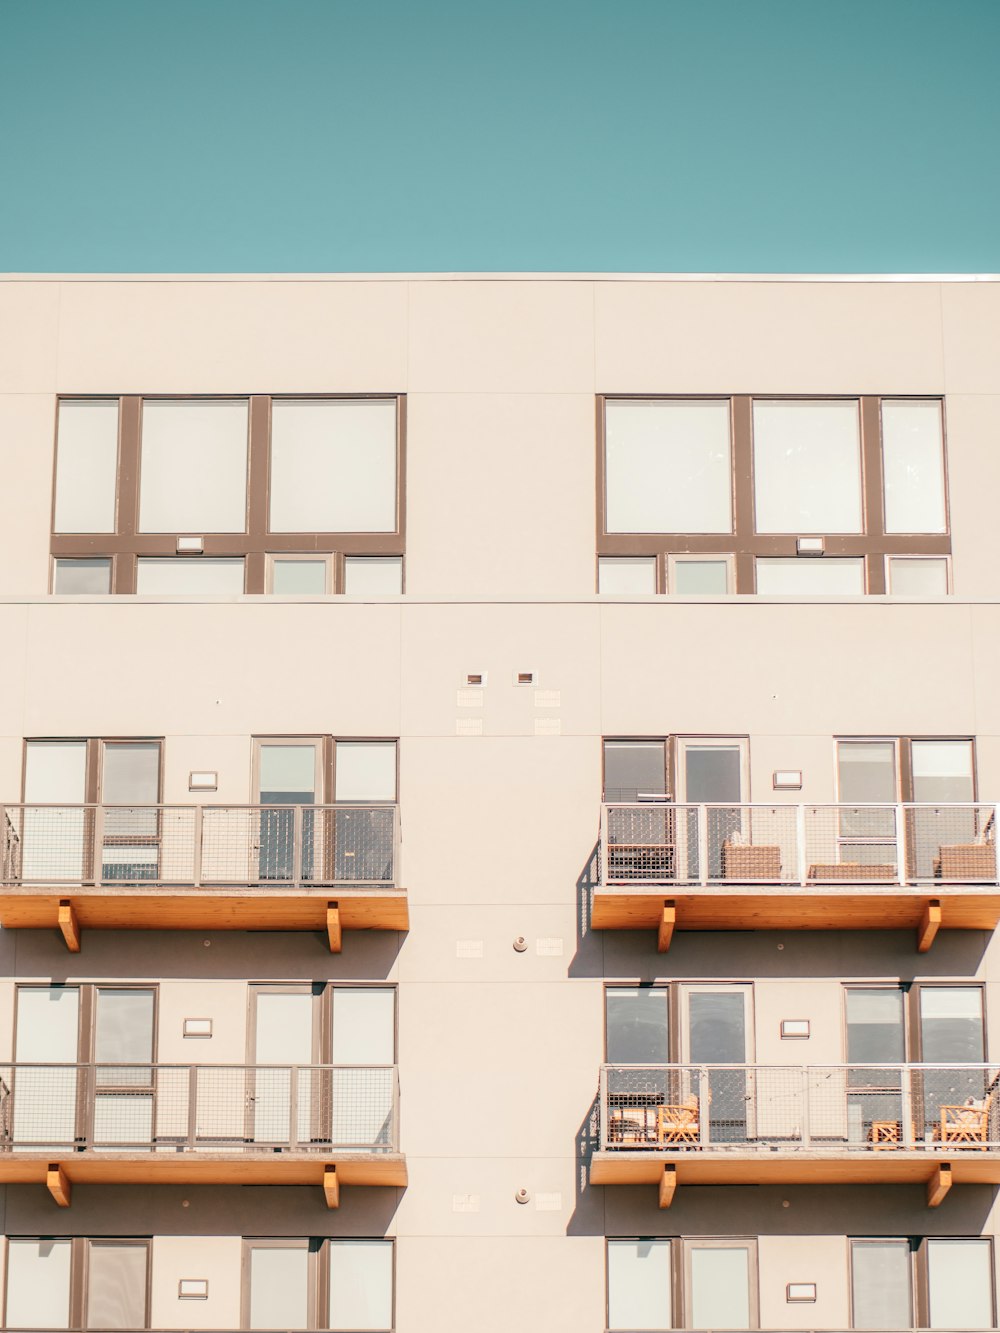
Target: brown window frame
318,1274
681,1287
744,544
79,1272
904,760
127,544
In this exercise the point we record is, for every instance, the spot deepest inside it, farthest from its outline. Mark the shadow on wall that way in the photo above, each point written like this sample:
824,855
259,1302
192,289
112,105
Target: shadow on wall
588,958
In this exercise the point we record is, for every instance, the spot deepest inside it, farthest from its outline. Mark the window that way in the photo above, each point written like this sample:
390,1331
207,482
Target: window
745,479
715,1284
637,1030
918,575
285,1282
57,1283
959,1284
75,578
634,575
881,1284
184,496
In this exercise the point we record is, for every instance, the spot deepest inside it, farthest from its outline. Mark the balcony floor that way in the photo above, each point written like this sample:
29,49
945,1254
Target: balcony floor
149,907
794,1167
791,907
198,1168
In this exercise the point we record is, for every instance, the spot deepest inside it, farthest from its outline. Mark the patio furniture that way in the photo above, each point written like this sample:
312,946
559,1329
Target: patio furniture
742,862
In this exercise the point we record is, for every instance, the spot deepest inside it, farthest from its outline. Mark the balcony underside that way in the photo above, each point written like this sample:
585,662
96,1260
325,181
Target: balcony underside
773,907
135,907
892,1167
125,1168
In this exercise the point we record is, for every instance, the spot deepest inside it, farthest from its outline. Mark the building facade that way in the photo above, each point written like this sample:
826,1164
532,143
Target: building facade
497,803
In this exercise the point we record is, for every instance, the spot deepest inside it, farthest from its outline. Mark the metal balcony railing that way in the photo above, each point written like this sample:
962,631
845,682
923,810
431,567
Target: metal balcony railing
199,845
199,1108
822,1109
657,842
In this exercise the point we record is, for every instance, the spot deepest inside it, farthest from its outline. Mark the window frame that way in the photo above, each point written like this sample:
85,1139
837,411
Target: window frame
256,543
852,1241
744,544
904,761
682,1291
79,1272
318,1274
922,1275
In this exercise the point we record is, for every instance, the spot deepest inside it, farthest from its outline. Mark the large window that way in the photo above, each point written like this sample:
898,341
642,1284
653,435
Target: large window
56,1283
181,496
319,1283
807,497
652,1280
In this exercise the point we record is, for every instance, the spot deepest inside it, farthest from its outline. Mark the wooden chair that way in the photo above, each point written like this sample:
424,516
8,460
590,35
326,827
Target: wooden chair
969,860
968,1124
677,1123
740,861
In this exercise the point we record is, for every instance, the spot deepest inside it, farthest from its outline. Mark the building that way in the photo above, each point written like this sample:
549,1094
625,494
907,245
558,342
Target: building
401,933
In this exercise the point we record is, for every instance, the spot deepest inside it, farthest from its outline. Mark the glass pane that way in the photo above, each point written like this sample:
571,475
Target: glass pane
86,466
668,467
77,577
639,1283
880,1284
197,576
866,772
131,773
48,1024
116,1286
810,576
717,1027
360,1284
632,768
951,1025
279,1281
912,576
713,773
193,471
123,1032
284,1028
720,1287
299,576
365,771
960,1276
364,1026
288,774
38,1284
913,466
691,577
55,772
637,1025
942,771
626,574
333,466
807,467
875,1033
378,574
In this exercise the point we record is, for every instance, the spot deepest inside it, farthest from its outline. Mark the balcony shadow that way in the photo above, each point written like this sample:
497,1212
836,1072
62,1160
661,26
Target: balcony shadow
587,1217
588,957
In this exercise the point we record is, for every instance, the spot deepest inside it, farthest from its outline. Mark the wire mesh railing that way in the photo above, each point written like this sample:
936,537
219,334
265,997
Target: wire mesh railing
819,1108
199,1108
658,842
199,845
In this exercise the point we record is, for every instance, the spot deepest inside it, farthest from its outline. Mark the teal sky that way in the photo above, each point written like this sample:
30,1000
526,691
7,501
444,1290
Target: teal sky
514,135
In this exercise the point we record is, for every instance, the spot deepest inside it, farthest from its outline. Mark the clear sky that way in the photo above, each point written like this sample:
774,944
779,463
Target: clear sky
514,135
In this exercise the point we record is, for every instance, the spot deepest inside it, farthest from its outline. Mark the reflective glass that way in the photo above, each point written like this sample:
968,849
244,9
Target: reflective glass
913,466
78,577
193,470
807,466
86,466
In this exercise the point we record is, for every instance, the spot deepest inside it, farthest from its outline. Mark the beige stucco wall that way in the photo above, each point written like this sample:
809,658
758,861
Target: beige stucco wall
499,1050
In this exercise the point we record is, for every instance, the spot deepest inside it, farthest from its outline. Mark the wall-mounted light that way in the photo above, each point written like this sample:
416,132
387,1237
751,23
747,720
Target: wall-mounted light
794,1029
810,545
192,1289
203,779
800,1292
197,1027
787,779
190,545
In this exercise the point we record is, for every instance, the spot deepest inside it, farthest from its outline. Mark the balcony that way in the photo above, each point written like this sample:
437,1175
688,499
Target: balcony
325,868
322,1125
670,1125
797,867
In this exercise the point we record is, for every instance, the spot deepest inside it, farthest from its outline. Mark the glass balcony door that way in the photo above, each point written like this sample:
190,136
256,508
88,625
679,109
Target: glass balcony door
130,831
46,1100
717,1028
54,840
124,1077
713,772
289,774
284,1105
721,1284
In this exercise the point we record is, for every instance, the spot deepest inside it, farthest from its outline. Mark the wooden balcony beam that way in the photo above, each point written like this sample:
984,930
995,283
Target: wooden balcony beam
334,933
331,1187
58,1185
938,1185
668,1186
668,921
69,925
929,926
